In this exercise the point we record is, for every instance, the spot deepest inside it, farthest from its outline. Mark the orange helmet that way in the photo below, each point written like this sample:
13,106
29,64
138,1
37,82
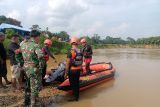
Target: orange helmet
74,40
83,40
48,42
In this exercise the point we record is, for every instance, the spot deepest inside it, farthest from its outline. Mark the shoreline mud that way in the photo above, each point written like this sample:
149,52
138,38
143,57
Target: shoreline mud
49,95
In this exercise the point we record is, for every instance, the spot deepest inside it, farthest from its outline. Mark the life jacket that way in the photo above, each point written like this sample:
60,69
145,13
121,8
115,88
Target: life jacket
87,51
77,58
46,56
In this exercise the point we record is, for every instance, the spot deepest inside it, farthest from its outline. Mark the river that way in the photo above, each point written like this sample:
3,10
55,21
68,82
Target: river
136,82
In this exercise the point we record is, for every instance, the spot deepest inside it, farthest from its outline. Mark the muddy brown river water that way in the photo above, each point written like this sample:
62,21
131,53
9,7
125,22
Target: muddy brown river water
136,82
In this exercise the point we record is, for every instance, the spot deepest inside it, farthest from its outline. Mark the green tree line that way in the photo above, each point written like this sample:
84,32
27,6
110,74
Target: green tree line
61,46
61,39
155,40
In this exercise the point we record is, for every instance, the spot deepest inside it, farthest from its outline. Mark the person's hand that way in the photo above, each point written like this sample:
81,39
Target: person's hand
17,51
65,75
46,76
37,70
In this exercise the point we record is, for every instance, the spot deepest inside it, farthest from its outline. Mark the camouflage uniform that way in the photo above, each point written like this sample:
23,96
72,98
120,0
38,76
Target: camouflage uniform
33,62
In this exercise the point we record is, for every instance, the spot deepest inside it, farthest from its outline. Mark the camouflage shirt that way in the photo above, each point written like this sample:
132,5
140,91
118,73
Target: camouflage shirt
32,53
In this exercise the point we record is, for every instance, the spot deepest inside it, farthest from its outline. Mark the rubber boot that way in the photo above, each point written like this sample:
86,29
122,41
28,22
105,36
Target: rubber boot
35,102
27,100
72,99
27,95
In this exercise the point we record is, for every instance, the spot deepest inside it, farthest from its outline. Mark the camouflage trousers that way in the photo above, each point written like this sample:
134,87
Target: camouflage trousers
33,84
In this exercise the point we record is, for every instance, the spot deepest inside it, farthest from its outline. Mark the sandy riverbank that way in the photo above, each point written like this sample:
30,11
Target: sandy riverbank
48,95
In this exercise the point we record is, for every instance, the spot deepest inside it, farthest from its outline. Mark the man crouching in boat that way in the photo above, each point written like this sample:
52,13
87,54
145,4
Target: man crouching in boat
73,67
87,53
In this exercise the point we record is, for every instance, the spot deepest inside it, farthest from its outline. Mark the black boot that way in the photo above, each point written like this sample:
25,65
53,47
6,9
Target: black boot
72,99
27,95
27,100
36,103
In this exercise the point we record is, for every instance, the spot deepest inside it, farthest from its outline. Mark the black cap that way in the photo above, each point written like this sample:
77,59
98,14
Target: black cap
35,33
27,35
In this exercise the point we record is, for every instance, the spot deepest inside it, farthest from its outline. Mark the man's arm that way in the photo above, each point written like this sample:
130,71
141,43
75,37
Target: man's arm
49,53
11,54
1,60
90,50
69,56
40,56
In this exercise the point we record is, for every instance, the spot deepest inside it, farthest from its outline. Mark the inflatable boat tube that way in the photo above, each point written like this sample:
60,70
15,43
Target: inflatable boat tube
100,72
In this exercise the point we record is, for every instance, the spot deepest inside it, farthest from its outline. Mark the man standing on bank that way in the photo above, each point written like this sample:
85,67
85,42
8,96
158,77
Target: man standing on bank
33,63
73,67
15,69
3,66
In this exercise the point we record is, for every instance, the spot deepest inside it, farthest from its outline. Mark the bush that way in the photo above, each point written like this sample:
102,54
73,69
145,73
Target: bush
9,33
6,43
59,47
41,41
64,51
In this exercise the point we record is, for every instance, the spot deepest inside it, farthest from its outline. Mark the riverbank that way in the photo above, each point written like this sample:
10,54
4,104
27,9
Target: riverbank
48,95
62,47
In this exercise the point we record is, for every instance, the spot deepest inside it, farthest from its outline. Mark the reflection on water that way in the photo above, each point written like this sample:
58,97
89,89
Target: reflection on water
136,82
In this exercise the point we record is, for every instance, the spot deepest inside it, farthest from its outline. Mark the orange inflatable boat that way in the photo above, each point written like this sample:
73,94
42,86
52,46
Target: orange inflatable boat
100,72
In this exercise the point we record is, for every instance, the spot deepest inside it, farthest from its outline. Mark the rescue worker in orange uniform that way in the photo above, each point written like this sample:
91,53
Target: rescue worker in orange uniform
87,54
73,67
47,54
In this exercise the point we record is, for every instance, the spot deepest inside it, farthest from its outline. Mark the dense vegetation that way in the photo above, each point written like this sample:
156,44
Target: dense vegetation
57,46
61,46
4,19
130,41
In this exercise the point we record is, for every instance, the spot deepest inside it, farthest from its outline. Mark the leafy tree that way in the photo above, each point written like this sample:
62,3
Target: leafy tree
111,40
6,42
64,36
89,40
108,40
96,39
9,33
149,41
4,19
41,41
130,40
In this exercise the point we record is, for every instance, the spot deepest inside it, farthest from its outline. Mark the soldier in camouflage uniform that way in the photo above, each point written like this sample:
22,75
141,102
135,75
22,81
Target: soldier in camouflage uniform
33,63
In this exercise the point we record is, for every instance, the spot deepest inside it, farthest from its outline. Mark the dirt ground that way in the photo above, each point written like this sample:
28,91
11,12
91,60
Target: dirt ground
48,95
